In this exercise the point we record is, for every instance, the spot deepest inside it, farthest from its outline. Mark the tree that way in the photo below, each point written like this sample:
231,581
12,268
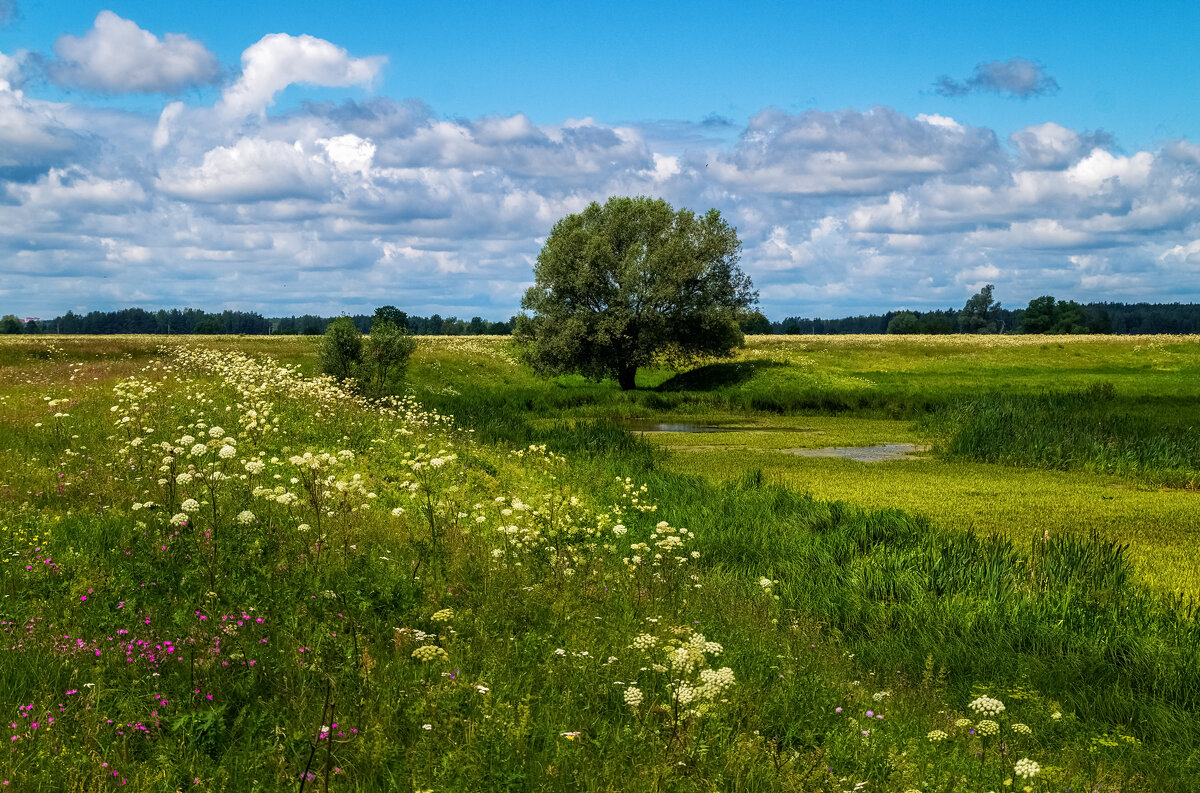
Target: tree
10,324
754,323
978,315
904,322
392,315
1040,315
1046,315
341,348
386,354
617,285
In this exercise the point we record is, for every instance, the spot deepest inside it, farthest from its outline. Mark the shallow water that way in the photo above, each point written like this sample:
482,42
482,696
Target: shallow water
865,454
661,426
643,425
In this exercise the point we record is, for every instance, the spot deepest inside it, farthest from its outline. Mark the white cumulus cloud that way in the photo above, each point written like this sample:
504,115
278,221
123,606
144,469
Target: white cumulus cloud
251,170
117,57
279,60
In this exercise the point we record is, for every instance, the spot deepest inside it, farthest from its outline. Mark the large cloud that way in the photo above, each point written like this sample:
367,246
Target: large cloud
252,170
279,60
117,57
848,152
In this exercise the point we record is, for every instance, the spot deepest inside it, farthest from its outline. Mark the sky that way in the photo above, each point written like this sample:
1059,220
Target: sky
297,157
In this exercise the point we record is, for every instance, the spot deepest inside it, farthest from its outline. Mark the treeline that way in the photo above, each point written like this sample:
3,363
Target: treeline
1065,317
981,314
192,321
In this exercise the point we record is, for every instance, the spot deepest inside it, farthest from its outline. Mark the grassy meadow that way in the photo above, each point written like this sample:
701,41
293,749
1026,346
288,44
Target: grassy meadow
221,571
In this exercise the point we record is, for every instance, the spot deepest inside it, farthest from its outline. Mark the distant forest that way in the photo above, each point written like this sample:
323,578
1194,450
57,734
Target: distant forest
1117,318
980,315
192,320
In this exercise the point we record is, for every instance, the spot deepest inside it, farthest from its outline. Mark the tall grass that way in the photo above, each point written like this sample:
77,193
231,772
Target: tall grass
1091,429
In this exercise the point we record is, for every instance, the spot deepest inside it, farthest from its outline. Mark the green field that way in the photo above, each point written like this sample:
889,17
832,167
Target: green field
498,582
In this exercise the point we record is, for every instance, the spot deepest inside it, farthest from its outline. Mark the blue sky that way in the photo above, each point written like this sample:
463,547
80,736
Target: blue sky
872,155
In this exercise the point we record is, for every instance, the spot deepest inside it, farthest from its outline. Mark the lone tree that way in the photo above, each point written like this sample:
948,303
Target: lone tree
617,285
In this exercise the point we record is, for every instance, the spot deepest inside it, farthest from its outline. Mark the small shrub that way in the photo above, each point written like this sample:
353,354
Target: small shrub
385,356
341,349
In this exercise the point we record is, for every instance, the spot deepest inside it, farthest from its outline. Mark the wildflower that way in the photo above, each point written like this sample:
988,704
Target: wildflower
303,527
633,697
987,727
430,652
936,735
183,479
1023,729
190,505
1056,715
216,432
426,726
199,450
619,530
986,706
962,723
245,517
1026,768
225,452
570,736
445,615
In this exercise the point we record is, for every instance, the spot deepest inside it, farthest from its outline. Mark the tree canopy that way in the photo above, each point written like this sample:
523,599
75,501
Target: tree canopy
619,284
980,313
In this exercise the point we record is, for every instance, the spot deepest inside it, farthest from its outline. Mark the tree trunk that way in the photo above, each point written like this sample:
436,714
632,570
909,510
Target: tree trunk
625,378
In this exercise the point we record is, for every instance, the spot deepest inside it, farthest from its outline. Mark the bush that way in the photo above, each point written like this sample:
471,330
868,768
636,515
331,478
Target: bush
385,356
341,349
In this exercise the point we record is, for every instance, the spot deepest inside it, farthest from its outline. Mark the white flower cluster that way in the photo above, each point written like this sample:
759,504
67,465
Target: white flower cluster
1026,768
644,641
245,517
1021,729
986,706
690,654
987,727
445,615
633,697
936,735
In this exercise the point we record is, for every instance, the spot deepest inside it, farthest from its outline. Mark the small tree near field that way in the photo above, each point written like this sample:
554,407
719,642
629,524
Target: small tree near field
10,324
385,355
341,348
616,286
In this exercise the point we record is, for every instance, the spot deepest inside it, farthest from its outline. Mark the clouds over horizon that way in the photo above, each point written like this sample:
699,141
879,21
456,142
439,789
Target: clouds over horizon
343,205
